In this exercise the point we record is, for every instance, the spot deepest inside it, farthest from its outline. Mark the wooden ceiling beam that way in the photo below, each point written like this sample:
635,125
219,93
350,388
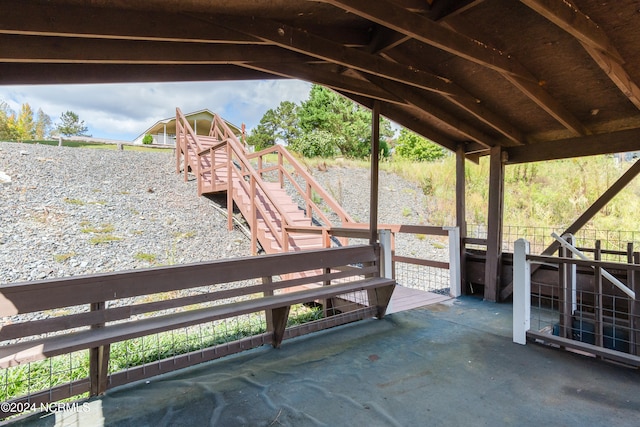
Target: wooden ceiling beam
36,74
36,49
45,19
426,31
303,42
290,38
320,76
429,32
593,39
412,97
569,18
590,145
107,23
473,106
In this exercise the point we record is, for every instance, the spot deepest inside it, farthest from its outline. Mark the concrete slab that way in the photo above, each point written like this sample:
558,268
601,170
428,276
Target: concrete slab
449,364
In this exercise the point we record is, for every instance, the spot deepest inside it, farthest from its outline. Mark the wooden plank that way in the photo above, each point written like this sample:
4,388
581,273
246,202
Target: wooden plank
23,352
423,29
404,298
593,39
32,49
606,143
297,40
606,353
412,96
420,261
494,228
420,28
25,297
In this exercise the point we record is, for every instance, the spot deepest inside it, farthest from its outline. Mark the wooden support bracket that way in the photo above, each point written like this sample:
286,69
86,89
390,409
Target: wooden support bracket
279,317
380,297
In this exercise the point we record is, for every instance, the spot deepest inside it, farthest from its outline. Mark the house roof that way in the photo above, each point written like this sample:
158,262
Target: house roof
203,119
542,79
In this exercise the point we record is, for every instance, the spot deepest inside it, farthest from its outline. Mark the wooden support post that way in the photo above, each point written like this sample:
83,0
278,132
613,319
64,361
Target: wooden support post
268,291
461,210
98,360
375,152
596,207
494,229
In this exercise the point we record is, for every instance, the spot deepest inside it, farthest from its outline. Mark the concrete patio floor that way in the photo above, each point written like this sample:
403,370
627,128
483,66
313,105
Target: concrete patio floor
449,364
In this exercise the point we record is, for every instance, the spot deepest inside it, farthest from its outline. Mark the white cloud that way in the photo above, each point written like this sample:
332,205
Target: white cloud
123,111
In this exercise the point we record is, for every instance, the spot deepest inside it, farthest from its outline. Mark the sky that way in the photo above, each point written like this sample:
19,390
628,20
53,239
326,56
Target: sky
124,111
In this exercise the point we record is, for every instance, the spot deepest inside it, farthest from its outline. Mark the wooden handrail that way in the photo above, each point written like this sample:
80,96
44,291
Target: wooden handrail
284,153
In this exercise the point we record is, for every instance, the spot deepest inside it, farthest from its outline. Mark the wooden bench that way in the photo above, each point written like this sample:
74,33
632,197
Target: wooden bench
330,273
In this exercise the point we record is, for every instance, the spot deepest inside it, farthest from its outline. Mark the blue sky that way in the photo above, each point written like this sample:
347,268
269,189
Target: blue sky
124,111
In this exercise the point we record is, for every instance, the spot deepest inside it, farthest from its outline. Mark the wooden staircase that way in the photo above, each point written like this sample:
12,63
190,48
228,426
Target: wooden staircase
263,192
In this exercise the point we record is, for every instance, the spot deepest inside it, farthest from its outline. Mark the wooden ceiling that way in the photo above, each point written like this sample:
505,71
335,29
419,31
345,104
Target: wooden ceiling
543,79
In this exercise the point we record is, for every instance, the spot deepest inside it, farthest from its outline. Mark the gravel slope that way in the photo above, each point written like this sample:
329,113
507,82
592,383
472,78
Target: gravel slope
62,200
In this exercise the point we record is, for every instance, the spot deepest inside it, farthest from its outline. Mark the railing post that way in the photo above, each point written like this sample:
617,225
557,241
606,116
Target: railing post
386,267
521,292
634,319
455,266
598,301
254,217
280,167
571,275
230,187
309,206
98,360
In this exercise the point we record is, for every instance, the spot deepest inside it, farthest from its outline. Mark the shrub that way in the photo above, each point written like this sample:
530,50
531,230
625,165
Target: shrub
414,147
148,139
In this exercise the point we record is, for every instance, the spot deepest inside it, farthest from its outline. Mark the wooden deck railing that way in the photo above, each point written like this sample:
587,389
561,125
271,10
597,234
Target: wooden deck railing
311,186
600,316
94,313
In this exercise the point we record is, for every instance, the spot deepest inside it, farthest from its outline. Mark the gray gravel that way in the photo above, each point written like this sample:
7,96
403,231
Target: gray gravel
62,200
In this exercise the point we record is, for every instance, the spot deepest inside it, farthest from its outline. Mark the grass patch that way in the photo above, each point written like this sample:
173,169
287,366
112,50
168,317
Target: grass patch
147,257
104,238
63,257
76,202
184,235
102,229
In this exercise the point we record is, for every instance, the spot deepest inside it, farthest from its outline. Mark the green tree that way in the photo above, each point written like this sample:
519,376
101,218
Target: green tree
414,147
25,127
70,125
43,125
6,122
346,123
279,125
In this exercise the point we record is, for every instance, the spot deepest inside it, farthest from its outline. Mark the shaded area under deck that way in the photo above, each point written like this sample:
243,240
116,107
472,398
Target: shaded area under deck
451,363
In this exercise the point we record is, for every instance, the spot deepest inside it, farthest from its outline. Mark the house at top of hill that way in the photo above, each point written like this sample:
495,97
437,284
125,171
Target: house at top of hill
164,131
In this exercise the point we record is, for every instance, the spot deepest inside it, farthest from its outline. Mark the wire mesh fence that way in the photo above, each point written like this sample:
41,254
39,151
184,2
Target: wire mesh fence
424,278
540,237
588,304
